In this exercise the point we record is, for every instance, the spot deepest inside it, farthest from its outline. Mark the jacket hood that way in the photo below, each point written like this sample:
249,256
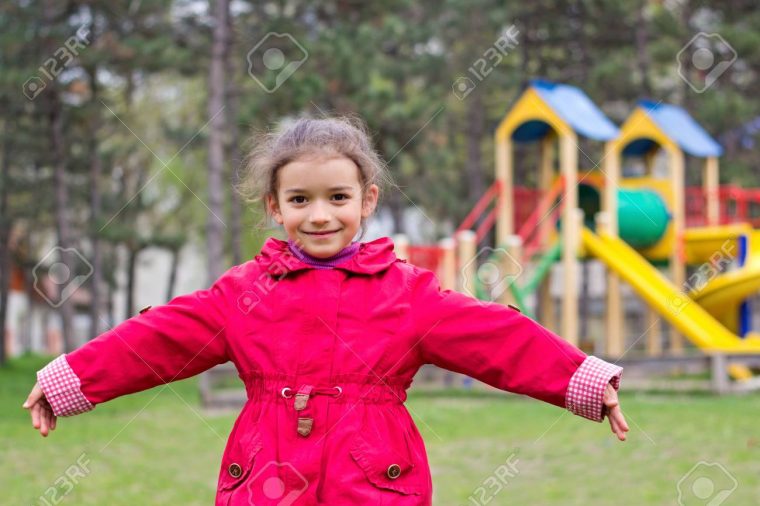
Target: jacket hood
372,257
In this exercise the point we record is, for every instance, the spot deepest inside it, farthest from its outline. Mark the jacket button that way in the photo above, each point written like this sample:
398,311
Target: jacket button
235,470
394,471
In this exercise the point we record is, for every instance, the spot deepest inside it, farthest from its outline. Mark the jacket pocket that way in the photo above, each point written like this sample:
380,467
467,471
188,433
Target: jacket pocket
386,464
239,459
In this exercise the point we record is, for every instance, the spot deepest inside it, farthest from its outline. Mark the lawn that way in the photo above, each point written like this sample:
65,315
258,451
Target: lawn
157,447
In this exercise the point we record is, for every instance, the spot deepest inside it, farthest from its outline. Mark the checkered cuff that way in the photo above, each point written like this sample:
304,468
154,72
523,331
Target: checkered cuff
62,388
585,392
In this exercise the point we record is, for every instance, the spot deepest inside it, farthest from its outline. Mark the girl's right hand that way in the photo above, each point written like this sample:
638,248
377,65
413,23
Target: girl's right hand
42,414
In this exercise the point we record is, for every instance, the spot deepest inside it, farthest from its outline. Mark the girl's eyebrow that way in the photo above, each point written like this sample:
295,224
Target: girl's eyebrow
334,188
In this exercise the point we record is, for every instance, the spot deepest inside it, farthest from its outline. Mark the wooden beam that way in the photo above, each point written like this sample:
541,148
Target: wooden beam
568,160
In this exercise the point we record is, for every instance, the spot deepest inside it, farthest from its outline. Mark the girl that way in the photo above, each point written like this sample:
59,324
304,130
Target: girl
326,334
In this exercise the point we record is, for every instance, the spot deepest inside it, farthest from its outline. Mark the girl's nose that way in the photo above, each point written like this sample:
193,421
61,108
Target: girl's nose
319,214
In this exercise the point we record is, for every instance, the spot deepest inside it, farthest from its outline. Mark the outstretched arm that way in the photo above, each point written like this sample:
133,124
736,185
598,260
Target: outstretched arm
167,343
503,348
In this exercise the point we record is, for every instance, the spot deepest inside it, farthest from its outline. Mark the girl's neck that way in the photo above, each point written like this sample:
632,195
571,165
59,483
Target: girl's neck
324,263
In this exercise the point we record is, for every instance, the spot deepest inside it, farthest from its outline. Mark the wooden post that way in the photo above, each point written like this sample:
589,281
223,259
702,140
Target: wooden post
652,329
677,260
614,321
510,268
468,269
710,184
401,246
546,177
568,158
653,333
448,267
607,223
719,373
505,177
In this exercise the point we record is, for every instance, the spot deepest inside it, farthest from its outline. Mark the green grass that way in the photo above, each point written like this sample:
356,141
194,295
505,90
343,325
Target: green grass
157,447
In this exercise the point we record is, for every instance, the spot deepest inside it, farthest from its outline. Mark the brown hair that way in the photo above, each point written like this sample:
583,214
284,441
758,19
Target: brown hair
296,138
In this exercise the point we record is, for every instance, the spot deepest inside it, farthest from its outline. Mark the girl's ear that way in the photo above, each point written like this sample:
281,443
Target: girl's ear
370,201
274,208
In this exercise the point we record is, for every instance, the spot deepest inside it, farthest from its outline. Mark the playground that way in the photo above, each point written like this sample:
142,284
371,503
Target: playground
685,261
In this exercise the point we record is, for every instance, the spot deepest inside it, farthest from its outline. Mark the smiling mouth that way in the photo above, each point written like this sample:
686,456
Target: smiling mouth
319,234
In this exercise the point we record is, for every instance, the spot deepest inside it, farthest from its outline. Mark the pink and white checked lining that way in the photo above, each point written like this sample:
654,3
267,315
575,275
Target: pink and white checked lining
62,388
585,392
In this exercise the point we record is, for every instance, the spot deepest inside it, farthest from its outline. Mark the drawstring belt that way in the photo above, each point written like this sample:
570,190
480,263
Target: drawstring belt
301,404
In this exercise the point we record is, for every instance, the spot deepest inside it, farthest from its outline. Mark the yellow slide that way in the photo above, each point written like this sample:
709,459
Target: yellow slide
722,295
688,317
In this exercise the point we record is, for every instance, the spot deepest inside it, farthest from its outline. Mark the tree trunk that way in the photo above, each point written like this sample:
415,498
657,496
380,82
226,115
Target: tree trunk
133,251
65,306
475,130
216,114
236,206
96,168
642,55
172,274
5,253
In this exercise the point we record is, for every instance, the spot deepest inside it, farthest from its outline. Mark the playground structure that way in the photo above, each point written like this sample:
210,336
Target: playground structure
634,224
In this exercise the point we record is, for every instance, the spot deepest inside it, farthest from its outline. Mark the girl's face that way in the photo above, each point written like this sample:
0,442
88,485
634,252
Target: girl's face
319,202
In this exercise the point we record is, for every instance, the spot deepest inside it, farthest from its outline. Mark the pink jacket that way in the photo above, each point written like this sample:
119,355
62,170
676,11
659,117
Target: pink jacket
326,356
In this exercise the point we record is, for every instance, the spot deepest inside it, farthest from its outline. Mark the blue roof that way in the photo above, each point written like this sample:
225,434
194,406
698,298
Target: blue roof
677,124
574,107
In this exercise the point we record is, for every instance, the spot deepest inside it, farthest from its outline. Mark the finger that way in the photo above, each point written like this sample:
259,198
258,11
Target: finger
36,416
44,423
620,419
610,397
613,425
35,395
54,422
616,418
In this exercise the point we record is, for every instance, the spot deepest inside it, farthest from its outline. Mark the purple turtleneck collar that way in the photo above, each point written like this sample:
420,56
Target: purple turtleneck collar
324,263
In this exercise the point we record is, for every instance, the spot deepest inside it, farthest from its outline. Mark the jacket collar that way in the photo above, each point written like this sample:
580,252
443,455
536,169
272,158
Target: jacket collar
372,257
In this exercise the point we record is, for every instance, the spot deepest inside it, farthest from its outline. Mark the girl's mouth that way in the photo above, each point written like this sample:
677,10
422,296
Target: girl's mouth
322,234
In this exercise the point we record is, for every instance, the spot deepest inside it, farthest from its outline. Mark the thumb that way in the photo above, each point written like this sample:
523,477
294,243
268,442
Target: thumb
35,395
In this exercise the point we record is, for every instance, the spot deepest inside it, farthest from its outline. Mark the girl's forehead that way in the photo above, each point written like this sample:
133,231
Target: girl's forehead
319,172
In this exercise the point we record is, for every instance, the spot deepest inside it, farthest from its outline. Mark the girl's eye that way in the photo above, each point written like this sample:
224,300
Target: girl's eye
296,200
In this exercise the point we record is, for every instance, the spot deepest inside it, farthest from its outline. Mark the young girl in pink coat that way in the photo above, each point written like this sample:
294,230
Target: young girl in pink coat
326,335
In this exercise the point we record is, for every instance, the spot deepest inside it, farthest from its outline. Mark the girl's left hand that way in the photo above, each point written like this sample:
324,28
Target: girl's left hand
614,413
43,418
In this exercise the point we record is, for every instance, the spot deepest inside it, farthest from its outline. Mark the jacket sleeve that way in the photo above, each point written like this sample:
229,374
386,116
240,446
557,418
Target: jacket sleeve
500,346
167,343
